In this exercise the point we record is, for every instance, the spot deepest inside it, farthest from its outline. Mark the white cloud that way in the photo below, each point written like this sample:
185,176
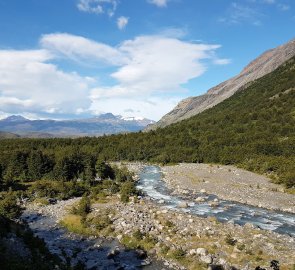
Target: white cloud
220,61
122,22
143,71
156,64
29,84
151,108
79,48
159,3
98,6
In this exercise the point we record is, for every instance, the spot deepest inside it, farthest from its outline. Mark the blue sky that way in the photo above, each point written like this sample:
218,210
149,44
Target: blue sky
77,58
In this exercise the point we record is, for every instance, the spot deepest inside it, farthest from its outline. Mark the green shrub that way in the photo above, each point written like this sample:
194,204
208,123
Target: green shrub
101,222
9,208
230,240
83,208
178,254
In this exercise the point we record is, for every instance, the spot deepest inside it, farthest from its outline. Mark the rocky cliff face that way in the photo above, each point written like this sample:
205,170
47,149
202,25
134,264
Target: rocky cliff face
264,64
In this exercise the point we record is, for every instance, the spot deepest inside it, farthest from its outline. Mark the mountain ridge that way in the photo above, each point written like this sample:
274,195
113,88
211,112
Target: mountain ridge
257,68
95,126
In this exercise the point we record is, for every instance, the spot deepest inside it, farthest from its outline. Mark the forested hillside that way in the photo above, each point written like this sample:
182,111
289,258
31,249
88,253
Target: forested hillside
254,129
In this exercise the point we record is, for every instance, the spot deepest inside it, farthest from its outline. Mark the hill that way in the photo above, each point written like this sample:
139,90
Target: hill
8,135
264,64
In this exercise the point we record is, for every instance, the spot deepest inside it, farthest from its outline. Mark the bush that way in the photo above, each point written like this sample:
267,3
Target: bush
127,189
9,208
83,208
101,222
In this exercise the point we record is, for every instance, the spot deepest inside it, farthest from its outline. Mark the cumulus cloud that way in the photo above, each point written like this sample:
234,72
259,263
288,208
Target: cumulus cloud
122,22
80,49
159,3
29,84
142,72
98,6
156,64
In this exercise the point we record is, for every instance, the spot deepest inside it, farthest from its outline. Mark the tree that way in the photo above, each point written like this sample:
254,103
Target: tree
89,169
35,165
104,170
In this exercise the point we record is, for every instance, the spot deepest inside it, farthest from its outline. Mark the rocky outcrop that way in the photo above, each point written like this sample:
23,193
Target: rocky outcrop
264,64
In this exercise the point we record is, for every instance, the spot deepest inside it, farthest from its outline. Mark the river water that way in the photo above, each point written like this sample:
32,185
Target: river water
153,186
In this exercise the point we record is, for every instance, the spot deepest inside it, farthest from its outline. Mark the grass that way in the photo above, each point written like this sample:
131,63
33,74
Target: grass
74,224
146,242
41,201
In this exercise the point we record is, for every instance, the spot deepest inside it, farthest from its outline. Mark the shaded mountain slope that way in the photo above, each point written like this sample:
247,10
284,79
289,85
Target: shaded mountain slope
264,64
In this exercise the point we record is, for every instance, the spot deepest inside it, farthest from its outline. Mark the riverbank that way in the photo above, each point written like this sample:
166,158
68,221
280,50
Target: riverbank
178,239
91,251
228,183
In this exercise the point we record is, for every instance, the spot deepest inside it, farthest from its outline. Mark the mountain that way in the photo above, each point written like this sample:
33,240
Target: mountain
264,64
8,135
96,126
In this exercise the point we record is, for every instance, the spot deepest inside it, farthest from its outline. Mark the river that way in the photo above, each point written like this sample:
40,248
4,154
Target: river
153,186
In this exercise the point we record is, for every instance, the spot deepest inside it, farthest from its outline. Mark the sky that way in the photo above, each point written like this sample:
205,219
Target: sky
69,59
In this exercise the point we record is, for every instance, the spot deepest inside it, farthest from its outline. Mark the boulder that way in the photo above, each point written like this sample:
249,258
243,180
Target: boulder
206,259
202,251
200,199
183,205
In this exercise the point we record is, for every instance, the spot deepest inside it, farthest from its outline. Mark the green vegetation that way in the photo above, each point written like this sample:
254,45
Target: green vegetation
9,208
83,208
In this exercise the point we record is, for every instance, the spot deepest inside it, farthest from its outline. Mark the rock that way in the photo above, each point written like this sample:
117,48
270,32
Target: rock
183,205
202,251
203,190
206,259
141,254
200,199
215,267
113,253
119,237
161,201
192,252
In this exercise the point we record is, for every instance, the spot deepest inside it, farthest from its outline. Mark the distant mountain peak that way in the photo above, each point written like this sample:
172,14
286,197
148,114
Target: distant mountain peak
15,118
106,123
106,116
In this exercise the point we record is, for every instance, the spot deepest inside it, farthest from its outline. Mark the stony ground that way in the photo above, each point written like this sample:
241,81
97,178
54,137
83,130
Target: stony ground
103,253
229,183
204,240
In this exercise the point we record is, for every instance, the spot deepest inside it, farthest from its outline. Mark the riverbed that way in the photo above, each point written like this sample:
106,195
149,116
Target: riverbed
153,186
